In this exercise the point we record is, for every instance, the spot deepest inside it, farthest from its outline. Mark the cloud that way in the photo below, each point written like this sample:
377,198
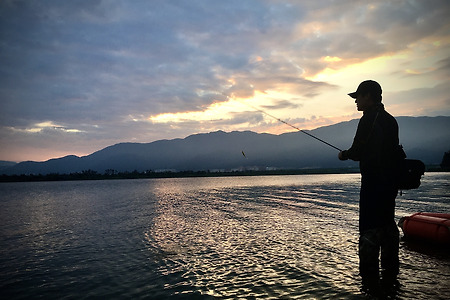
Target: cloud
417,101
281,104
104,67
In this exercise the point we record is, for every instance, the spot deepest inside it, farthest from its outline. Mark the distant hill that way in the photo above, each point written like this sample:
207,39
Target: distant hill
5,165
425,138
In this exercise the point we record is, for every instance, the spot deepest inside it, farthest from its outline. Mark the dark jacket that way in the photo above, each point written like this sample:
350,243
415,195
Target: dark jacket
376,143
376,146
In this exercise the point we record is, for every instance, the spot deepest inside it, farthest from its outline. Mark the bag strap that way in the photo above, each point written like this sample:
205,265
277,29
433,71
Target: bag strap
373,126
401,152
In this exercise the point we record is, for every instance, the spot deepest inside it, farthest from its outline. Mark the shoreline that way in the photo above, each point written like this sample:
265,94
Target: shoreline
93,175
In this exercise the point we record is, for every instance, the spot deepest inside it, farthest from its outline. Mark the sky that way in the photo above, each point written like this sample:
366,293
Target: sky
78,76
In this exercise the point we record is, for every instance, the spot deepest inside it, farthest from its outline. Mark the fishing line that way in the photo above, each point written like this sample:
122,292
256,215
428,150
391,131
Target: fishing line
295,127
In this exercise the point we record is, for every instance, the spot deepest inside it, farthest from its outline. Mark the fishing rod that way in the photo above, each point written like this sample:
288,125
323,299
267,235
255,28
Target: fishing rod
295,127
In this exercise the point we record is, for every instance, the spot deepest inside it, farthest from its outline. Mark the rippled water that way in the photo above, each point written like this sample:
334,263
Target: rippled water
235,237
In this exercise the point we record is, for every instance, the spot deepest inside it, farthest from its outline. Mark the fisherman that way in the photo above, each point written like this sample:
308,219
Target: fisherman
375,146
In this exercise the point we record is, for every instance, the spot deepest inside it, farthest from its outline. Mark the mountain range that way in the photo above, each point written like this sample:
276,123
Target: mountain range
424,138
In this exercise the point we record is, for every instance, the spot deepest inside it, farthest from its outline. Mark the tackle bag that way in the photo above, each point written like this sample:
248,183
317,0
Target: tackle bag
410,171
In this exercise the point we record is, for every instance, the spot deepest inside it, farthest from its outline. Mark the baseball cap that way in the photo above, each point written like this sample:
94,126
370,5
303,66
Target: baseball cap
368,86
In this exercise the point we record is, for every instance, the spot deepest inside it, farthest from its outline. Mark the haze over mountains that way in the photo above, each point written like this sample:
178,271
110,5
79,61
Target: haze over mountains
425,138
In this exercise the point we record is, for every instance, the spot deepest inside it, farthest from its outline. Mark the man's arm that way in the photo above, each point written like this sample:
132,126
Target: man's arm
359,142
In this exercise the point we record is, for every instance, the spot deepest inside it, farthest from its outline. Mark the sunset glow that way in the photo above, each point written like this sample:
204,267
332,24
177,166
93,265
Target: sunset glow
143,73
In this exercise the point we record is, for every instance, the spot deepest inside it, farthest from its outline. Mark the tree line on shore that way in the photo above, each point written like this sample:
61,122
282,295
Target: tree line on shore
112,174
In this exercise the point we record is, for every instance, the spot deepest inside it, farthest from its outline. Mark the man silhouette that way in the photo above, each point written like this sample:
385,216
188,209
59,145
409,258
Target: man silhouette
375,146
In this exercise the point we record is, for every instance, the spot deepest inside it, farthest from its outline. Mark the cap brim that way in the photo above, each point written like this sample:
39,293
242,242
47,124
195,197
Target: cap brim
353,95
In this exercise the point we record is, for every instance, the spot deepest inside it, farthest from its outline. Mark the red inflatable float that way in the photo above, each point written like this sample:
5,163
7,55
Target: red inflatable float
433,227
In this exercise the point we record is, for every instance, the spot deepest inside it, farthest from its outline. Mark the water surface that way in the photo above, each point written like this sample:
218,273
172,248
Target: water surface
266,237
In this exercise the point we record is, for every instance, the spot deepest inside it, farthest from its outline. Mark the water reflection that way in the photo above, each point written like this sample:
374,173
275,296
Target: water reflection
266,237
256,241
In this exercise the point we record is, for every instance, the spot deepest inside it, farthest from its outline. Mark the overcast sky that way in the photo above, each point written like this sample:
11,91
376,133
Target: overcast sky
77,76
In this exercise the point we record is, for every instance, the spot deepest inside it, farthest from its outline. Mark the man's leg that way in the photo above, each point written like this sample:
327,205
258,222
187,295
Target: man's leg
389,252
369,249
